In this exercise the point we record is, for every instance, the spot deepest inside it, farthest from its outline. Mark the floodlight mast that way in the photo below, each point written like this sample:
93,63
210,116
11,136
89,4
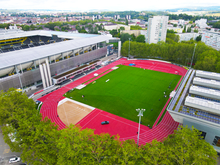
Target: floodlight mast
129,48
140,114
193,55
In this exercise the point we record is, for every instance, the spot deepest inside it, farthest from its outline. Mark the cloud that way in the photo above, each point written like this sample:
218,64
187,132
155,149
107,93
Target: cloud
86,5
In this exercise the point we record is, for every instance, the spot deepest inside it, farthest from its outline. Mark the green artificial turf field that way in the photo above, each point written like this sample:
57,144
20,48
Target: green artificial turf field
129,88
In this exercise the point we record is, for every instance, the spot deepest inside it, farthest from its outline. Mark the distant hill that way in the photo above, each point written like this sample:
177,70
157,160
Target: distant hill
197,8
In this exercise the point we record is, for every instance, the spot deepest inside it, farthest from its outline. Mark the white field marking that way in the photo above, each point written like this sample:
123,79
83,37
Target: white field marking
76,102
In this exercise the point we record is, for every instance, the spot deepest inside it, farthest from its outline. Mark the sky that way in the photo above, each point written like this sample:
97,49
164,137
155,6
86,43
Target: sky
112,5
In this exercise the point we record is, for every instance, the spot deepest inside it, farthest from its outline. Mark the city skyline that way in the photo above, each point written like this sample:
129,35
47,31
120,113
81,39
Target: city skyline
113,5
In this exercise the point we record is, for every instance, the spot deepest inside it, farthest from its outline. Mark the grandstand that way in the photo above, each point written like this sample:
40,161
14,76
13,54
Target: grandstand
197,103
22,54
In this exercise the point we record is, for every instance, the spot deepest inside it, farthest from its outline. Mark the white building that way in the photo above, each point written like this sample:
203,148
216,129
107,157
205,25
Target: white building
187,36
197,103
116,17
115,26
175,29
201,23
211,39
128,17
181,22
157,29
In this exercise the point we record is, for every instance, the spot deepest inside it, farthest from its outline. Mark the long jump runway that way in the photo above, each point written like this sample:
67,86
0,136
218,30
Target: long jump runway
92,119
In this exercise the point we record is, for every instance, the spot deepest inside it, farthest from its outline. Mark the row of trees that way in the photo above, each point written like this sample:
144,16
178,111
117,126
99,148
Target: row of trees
216,25
190,17
206,58
41,143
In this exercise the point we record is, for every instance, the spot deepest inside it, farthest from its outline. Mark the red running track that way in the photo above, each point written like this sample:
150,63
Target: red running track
126,129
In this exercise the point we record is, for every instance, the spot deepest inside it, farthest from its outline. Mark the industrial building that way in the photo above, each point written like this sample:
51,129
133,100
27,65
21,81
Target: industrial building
157,29
197,103
29,59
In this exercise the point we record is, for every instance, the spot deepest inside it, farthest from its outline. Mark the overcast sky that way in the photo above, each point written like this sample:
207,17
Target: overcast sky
113,5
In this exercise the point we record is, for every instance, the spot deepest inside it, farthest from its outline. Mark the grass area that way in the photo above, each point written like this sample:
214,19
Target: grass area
129,88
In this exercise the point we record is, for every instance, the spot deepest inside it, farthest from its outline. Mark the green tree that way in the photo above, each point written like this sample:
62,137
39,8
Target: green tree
125,37
126,22
196,30
114,32
140,38
199,38
122,28
173,37
189,30
26,28
186,146
136,27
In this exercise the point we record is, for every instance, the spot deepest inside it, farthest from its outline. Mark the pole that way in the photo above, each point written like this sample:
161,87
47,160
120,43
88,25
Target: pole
139,130
193,54
129,47
139,127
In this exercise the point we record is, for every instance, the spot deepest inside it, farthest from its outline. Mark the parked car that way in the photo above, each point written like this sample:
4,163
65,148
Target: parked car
105,122
14,159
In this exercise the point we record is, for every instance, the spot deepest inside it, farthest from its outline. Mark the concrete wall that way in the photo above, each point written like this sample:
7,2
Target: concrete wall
211,131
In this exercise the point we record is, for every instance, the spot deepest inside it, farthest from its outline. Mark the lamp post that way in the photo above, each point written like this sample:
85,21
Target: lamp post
140,113
193,55
129,47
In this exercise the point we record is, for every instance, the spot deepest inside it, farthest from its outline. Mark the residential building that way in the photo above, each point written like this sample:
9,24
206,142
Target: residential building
212,39
201,23
175,29
116,17
187,36
157,29
128,17
115,26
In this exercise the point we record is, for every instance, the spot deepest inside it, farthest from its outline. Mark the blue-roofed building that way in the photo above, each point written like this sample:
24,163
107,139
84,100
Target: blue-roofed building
197,103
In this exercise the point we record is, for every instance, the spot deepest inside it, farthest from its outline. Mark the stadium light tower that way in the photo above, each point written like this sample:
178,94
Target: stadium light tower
129,48
140,113
193,55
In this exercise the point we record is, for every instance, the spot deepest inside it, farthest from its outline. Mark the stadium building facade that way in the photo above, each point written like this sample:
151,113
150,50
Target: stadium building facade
197,103
23,53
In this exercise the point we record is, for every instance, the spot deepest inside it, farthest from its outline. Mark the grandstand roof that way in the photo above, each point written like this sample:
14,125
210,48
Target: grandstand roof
207,81
208,74
203,104
25,55
205,90
17,34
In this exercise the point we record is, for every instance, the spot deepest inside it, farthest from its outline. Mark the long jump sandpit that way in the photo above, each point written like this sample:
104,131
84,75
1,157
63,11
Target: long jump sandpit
71,112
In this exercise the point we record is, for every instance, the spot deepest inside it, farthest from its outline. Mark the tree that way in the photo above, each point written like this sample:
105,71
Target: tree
189,30
173,36
26,28
125,37
136,27
184,29
199,38
42,144
122,28
114,32
175,25
186,146
140,38
196,30
126,22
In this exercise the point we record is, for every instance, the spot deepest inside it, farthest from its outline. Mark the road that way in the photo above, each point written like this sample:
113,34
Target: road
5,152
